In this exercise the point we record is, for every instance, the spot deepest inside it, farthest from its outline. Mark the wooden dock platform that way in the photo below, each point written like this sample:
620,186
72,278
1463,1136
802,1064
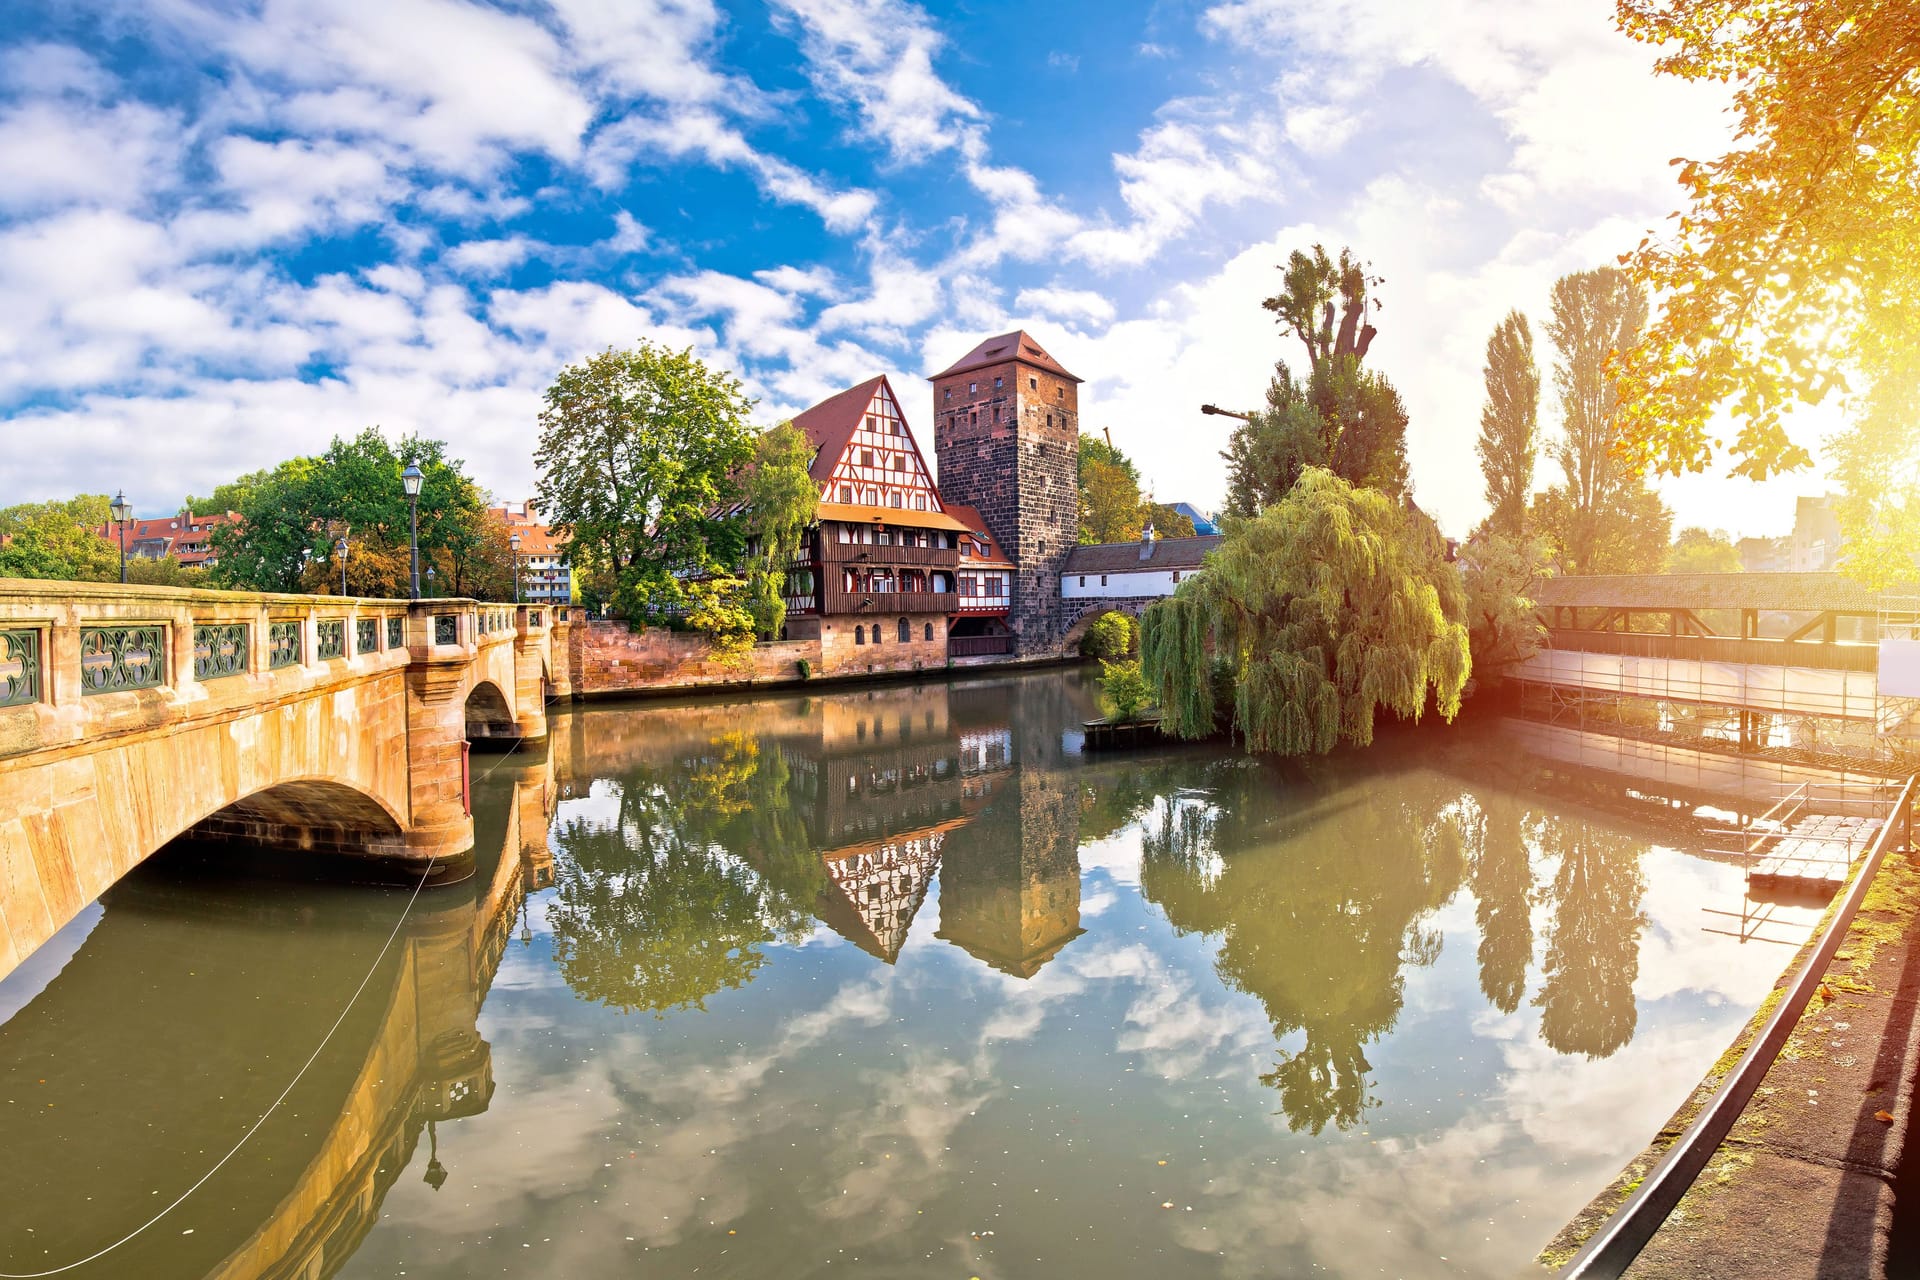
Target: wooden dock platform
1812,855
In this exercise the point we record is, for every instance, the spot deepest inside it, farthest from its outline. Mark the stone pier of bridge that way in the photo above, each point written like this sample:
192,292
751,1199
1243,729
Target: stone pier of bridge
131,717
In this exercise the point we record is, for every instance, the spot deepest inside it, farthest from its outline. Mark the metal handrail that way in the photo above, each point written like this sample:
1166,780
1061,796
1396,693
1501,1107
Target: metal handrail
1612,1249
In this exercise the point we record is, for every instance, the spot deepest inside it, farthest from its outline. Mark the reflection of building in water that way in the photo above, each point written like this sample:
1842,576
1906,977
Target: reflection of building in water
877,889
1010,887
155,1082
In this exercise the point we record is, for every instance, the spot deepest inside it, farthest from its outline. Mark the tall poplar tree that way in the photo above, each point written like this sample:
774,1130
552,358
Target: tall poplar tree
1602,518
1510,424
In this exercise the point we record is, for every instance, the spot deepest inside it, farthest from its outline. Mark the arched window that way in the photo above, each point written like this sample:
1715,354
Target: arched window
876,633
929,636
859,635
906,631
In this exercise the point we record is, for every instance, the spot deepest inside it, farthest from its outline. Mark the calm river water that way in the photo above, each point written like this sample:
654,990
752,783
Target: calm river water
894,982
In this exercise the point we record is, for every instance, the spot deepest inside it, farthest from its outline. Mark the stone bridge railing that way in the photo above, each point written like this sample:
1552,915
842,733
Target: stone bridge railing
133,715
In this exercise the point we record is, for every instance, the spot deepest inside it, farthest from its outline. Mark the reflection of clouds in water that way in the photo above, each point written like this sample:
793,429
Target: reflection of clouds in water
600,807
1118,855
1678,955
1169,1023
1097,903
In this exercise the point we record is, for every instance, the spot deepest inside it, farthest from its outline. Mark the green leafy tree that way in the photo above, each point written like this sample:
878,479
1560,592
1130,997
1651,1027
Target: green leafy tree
781,504
166,572
1503,574
1108,636
1341,415
1169,522
1876,462
1602,518
1112,508
1344,418
59,540
1125,690
291,517
1695,550
641,454
1334,604
1510,424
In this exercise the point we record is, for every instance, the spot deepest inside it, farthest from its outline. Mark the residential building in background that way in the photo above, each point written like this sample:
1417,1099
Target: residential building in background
185,537
1203,524
1814,544
545,575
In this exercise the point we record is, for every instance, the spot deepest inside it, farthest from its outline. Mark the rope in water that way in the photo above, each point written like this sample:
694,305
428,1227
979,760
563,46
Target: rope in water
275,1104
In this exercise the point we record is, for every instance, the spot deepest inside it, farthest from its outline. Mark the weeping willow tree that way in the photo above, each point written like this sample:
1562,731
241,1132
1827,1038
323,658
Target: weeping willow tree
1334,603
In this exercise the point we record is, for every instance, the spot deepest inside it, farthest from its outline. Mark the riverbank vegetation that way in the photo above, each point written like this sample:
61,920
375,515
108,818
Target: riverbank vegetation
679,513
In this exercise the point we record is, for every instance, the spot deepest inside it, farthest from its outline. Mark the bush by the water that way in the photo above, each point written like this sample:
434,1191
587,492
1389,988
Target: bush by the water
1125,688
1108,636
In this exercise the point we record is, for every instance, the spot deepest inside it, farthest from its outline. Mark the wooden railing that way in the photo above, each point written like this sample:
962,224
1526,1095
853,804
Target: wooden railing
883,604
872,554
1766,653
978,646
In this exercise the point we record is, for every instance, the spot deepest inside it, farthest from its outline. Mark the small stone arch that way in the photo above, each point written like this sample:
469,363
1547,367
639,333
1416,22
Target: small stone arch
489,715
1131,606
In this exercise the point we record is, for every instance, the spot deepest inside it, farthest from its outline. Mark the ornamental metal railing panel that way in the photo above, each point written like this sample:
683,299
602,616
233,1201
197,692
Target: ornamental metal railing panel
330,639
446,628
284,647
366,637
219,650
396,632
19,668
113,659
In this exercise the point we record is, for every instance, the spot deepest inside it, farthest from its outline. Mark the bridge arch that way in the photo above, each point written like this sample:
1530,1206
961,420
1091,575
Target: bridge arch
305,815
1131,606
489,714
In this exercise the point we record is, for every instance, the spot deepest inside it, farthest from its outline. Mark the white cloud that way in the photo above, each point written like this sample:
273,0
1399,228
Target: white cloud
55,153
1066,304
489,257
877,56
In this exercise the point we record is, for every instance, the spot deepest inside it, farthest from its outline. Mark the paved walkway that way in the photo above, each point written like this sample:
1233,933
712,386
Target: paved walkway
1807,1183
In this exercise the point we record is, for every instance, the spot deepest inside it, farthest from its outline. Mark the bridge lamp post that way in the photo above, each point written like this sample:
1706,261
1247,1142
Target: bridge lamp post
122,512
340,554
514,542
416,594
410,481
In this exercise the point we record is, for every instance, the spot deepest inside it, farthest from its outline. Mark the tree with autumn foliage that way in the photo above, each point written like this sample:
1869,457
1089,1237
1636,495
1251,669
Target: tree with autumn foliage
1792,270
1112,508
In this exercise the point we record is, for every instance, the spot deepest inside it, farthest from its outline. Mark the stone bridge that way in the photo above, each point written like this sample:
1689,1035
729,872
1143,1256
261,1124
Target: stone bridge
1089,608
134,716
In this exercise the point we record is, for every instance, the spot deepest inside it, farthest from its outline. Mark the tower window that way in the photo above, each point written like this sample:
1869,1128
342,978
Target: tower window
949,393
1033,383
1059,393
997,384
996,413
1049,419
973,417
973,388
949,422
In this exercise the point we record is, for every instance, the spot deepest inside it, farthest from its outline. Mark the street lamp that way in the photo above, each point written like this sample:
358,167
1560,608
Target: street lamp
514,542
416,594
340,554
122,512
410,481
1224,413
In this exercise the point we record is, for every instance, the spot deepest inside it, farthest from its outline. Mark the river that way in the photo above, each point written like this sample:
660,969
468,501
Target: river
893,982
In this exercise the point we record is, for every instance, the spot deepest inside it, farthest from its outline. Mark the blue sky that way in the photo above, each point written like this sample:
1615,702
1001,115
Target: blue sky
231,229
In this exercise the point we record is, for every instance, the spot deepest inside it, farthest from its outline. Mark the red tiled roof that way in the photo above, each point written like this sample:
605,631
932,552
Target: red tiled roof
831,424
1017,345
535,538
971,518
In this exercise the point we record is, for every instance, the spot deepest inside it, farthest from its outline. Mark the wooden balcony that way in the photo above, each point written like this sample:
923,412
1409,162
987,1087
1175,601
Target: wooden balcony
860,553
883,604
978,646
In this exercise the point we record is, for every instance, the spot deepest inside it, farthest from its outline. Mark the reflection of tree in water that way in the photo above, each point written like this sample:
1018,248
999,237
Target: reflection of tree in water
1593,947
1318,897
652,912
1503,895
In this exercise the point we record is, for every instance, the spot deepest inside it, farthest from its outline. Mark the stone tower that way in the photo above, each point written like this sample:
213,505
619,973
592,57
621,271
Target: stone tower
1006,431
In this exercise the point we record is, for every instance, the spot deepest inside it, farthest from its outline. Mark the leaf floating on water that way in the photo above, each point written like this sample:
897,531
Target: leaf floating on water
1883,1116
1826,992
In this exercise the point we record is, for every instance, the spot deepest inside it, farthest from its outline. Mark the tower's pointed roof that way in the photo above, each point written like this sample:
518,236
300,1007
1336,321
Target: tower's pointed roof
1018,345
